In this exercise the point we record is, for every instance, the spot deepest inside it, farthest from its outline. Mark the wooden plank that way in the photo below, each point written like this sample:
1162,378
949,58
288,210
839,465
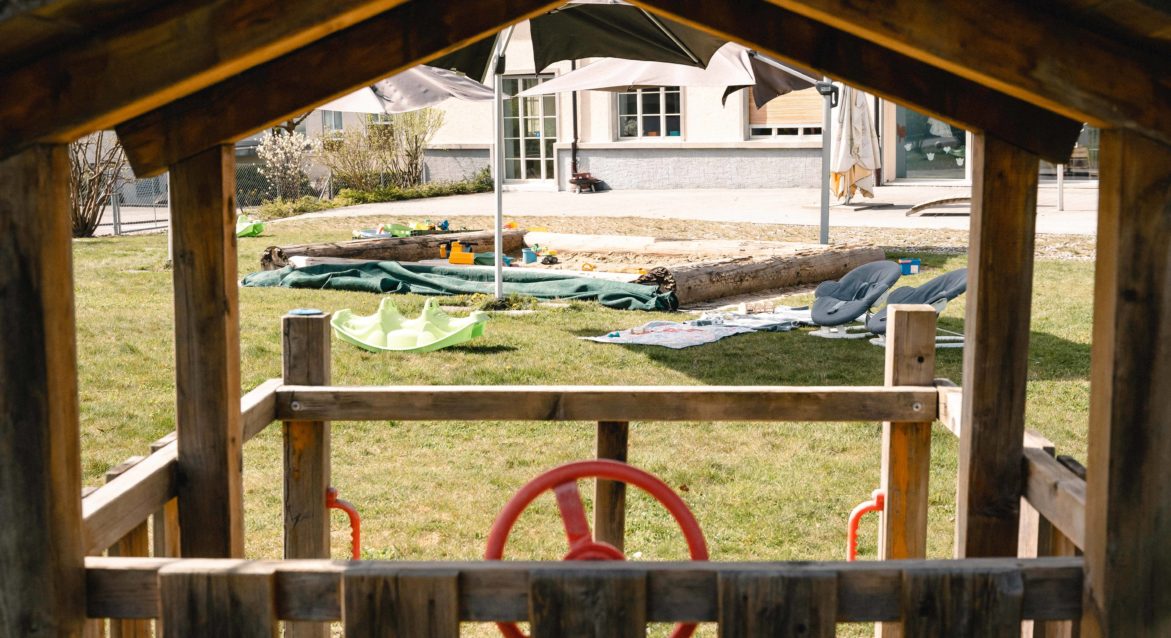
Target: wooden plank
1000,287
70,90
760,605
868,591
906,446
196,599
382,603
575,604
607,403
306,358
1036,532
258,408
879,70
610,496
951,406
41,591
207,354
114,509
1128,494
962,604
165,521
359,56
1057,493
135,543
1040,57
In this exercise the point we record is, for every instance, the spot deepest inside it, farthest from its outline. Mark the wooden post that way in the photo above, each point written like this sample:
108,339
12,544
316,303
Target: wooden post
165,522
906,447
207,355
42,589
1059,544
135,543
306,356
197,600
1036,532
1128,489
1000,288
610,496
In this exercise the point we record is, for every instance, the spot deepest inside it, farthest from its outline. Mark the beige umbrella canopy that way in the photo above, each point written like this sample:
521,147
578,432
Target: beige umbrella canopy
855,153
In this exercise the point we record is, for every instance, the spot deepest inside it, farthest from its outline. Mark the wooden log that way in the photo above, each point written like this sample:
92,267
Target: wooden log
724,278
197,600
1000,287
418,603
573,604
654,247
390,248
607,403
962,604
41,590
1128,493
756,605
306,359
610,496
207,354
490,591
135,543
906,446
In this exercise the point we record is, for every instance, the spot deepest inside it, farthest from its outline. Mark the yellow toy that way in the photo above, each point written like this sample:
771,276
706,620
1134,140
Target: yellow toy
460,254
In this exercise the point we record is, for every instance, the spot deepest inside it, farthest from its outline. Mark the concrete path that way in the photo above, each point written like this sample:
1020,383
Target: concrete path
796,206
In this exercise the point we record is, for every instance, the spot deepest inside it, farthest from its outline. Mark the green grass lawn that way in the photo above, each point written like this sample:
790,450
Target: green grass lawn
430,490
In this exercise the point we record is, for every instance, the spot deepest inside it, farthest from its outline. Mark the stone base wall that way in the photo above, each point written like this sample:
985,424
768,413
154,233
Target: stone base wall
643,168
453,165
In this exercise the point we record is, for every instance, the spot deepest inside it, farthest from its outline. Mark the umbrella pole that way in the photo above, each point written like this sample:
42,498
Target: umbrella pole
498,159
826,143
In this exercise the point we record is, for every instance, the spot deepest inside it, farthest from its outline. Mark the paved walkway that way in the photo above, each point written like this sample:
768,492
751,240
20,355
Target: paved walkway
797,206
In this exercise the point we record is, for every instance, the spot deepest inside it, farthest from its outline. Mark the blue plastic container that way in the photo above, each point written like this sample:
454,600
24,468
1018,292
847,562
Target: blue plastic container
529,255
910,266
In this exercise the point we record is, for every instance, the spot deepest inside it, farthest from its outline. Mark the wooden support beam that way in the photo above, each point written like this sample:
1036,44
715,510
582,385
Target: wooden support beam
906,446
1128,495
1038,56
1000,290
165,520
361,55
608,403
70,91
207,354
579,604
114,509
196,600
893,75
962,604
755,605
41,590
610,496
686,591
306,357
136,542
385,604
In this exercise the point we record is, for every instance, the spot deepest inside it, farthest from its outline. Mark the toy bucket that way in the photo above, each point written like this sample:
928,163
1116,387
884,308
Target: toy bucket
529,255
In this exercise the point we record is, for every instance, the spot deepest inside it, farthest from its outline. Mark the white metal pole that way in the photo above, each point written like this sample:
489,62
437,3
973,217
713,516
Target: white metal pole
826,143
498,181
1061,187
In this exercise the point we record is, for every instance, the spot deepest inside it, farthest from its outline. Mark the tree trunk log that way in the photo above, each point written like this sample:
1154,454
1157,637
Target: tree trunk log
391,248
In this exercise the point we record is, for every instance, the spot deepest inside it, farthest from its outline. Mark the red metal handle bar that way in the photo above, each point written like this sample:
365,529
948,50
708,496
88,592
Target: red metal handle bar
876,504
333,502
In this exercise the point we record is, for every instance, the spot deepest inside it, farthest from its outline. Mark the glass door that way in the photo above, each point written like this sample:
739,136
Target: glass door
928,148
530,130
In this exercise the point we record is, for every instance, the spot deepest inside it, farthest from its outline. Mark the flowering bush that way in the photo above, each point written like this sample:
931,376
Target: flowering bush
285,156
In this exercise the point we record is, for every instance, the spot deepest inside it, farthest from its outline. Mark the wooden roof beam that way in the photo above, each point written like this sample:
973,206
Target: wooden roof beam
889,74
1033,54
260,97
158,57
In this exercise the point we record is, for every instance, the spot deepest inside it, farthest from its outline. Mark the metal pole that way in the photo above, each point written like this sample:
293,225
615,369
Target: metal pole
1060,187
826,144
116,210
498,182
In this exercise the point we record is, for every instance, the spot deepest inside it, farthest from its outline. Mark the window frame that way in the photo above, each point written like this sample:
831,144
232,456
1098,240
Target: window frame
639,114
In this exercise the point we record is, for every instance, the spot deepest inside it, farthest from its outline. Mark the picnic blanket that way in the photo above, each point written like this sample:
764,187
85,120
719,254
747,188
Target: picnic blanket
670,334
394,277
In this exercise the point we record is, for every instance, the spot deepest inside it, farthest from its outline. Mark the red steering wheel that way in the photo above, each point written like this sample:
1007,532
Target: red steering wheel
562,481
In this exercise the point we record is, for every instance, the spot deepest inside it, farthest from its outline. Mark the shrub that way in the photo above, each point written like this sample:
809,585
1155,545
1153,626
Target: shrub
481,183
285,156
280,208
95,164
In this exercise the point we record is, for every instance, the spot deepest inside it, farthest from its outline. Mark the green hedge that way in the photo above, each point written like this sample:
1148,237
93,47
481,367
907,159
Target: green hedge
481,183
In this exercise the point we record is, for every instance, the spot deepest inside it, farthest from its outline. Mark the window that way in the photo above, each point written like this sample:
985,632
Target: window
796,114
331,121
530,130
650,113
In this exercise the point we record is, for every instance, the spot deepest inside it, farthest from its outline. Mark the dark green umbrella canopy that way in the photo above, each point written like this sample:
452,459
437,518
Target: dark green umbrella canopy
596,30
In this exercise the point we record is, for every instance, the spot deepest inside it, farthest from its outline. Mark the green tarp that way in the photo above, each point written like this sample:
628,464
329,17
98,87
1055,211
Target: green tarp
394,277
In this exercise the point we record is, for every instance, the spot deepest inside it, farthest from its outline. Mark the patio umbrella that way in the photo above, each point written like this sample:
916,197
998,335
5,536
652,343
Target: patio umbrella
413,89
855,154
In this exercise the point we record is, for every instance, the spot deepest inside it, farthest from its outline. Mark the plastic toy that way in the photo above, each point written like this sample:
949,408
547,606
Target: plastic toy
248,227
562,481
388,331
335,503
876,504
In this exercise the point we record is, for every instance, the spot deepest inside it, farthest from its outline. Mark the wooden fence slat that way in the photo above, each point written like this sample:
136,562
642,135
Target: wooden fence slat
198,599
112,510
962,604
387,604
767,605
610,496
136,542
574,604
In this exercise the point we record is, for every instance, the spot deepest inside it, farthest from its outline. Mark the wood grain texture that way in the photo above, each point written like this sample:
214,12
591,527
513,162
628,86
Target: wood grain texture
1056,493
578,604
610,496
1040,57
879,70
165,521
258,408
1128,493
306,360
962,604
608,403
906,446
207,354
114,509
1000,288
383,603
344,62
41,546
868,591
135,543
777,605
391,248
198,599
73,89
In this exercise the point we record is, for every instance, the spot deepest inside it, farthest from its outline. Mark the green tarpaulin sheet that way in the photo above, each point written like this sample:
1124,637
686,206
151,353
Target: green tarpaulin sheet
395,277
